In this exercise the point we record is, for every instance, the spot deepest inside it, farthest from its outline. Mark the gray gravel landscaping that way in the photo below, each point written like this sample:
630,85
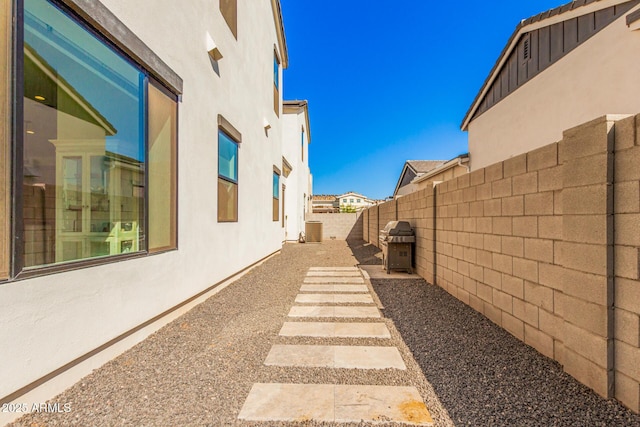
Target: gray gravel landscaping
483,375
199,369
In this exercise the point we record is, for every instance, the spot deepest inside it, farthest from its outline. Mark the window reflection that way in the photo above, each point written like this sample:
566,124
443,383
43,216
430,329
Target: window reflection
83,142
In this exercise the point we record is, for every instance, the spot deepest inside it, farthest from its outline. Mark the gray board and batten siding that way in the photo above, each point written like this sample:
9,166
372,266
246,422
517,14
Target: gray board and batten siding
538,49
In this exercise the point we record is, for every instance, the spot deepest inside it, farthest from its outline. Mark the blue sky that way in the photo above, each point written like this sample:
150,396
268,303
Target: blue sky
390,81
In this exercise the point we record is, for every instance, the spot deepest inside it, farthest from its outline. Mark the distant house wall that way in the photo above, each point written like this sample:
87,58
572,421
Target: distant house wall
339,226
295,150
600,76
547,245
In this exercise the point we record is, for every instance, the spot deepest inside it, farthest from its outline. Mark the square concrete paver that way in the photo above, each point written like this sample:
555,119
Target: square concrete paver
289,402
336,280
334,288
335,330
334,311
380,403
334,298
335,356
335,403
333,274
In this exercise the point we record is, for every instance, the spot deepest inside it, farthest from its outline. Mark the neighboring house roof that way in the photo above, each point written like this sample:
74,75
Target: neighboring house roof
297,107
282,40
77,105
574,9
352,194
414,168
323,198
456,161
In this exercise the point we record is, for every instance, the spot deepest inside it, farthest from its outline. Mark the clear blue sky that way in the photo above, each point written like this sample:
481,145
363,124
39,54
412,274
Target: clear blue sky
390,81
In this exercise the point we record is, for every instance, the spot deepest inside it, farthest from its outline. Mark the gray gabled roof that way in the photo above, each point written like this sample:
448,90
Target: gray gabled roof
418,167
424,166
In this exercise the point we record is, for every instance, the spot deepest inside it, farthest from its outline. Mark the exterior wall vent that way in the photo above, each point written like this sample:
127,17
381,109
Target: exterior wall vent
526,49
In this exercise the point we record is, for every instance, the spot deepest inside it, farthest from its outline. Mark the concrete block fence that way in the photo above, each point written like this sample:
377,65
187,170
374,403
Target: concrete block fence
339,226
546,245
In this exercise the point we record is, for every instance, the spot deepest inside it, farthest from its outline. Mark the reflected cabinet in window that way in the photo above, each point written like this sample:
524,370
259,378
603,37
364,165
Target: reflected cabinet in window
85,143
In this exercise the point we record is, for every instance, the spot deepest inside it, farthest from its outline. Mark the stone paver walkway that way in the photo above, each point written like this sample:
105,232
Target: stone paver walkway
335,402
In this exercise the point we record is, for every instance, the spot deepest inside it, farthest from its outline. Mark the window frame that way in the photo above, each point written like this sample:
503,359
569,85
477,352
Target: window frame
275,184
175,162
236,182
276,81
233,25
101,23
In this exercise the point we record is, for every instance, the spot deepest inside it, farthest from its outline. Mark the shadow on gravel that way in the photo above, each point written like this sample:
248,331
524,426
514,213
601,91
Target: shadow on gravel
483,375
365,253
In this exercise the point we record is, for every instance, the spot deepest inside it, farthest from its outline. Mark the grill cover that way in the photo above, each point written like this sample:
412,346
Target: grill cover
398,228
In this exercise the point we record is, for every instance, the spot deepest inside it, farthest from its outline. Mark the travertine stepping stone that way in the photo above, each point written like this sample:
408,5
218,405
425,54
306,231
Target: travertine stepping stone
335,356
334,269
335,330
333,311
335,403
334,298
334,288
333,274
338,280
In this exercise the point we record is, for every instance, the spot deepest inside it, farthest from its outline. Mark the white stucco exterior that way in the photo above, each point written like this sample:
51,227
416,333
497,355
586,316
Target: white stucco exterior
48,321
295,146
598,77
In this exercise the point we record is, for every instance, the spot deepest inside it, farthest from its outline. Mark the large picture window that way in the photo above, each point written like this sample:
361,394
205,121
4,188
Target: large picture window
90,118
227,178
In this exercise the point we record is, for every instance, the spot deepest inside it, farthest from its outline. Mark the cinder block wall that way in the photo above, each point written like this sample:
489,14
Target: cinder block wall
544,244
626,196
339,226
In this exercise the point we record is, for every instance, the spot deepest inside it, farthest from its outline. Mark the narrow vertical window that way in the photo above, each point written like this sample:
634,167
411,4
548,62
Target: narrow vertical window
229,10
276,196
83,143
227,178
284,190
5,126
276,83
162,171
302,143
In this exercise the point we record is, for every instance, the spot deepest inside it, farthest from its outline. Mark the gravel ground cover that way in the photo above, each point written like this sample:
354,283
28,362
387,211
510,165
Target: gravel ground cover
199,369
483,375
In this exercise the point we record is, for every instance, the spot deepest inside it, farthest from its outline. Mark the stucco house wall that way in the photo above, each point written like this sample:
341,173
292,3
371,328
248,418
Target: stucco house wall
598,77
296,150
50,321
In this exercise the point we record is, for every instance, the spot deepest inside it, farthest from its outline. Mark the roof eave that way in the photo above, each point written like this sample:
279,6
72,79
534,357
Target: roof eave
460,160
297,107
282,40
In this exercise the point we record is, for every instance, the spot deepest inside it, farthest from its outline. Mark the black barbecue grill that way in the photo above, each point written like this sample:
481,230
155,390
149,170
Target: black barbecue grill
396,242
